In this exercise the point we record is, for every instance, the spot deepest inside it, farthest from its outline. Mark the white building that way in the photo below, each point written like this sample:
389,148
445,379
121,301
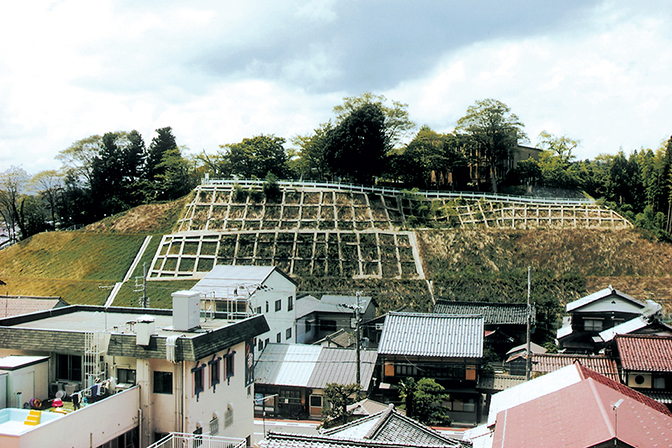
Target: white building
252,290
177,372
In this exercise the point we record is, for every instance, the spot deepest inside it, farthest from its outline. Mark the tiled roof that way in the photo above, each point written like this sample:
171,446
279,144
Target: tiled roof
549,362
366,406
645,353
582,415
287,440
437,335
15,305
312,366
393,427
499,382
493,313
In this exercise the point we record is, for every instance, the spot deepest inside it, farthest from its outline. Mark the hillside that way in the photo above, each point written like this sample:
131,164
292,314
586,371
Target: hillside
333,240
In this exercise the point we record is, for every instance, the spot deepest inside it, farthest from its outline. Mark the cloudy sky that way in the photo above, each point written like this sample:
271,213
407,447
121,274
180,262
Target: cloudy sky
220,71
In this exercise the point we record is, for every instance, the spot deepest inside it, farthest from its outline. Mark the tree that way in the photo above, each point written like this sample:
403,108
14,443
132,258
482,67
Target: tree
356,148
255,157
428,156
77,158
396,122
49,185
163,142
13,183
423,401
175,179
556,161
339,397
312,161
494,133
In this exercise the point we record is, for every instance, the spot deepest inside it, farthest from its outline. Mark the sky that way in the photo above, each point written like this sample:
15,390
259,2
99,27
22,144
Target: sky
220,71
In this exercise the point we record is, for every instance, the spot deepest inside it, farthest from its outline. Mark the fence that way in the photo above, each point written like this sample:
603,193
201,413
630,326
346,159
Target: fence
187,440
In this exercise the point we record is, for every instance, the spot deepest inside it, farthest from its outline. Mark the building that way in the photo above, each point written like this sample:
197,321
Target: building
590,316
551,407
145,372
646,364
317,319
387,428
447,348
291,378
505,323
242,291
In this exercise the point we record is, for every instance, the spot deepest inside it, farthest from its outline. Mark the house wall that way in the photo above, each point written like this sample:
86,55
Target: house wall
303,336
31,381
277,288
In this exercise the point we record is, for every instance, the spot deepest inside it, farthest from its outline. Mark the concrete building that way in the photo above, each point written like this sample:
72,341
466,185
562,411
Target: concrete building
242,291
145,372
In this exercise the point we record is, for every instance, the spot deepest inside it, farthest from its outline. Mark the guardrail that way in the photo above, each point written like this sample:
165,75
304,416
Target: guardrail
430,194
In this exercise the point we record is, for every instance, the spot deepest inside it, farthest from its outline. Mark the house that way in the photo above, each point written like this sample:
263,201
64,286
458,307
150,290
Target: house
591,315
340,339
505,323
290,378
517,357
646,364
318,318
145,372
546,401
242,291
543,363
447,348
15,305
387,428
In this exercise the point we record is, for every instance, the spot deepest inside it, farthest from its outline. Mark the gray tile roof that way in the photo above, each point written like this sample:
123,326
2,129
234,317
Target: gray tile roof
16,305
287,440
393,427
493,313
434,335
312,366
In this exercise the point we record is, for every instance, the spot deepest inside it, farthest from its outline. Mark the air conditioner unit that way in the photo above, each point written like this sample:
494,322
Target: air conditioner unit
640,380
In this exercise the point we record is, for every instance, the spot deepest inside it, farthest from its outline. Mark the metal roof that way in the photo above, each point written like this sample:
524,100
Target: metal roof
435,335
227,278
606,292
645,353
582,414
16,305
312,366
493,313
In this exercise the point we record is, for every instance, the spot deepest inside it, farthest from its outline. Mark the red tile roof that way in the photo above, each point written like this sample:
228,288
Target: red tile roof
582,415
645,353
549,362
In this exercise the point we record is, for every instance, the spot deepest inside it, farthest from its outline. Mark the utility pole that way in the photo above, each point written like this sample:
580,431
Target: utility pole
528,360
358,337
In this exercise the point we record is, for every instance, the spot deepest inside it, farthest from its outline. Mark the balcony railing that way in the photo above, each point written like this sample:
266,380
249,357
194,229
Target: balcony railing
188,440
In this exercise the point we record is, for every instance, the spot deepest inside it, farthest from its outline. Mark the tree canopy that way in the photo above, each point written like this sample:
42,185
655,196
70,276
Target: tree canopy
494,132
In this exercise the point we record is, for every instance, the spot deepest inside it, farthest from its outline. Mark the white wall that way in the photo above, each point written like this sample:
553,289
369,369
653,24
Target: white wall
93,425
277,288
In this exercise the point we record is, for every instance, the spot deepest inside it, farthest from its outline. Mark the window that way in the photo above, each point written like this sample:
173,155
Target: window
659,383
316,401
261,344
69,367
278,338
258,310
125,376
405,370
228,416
266,342
592,324
288,334
328,325
214,372
267,306
290,303
198,379
228,359
278,305
163,382
214,425
309,325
